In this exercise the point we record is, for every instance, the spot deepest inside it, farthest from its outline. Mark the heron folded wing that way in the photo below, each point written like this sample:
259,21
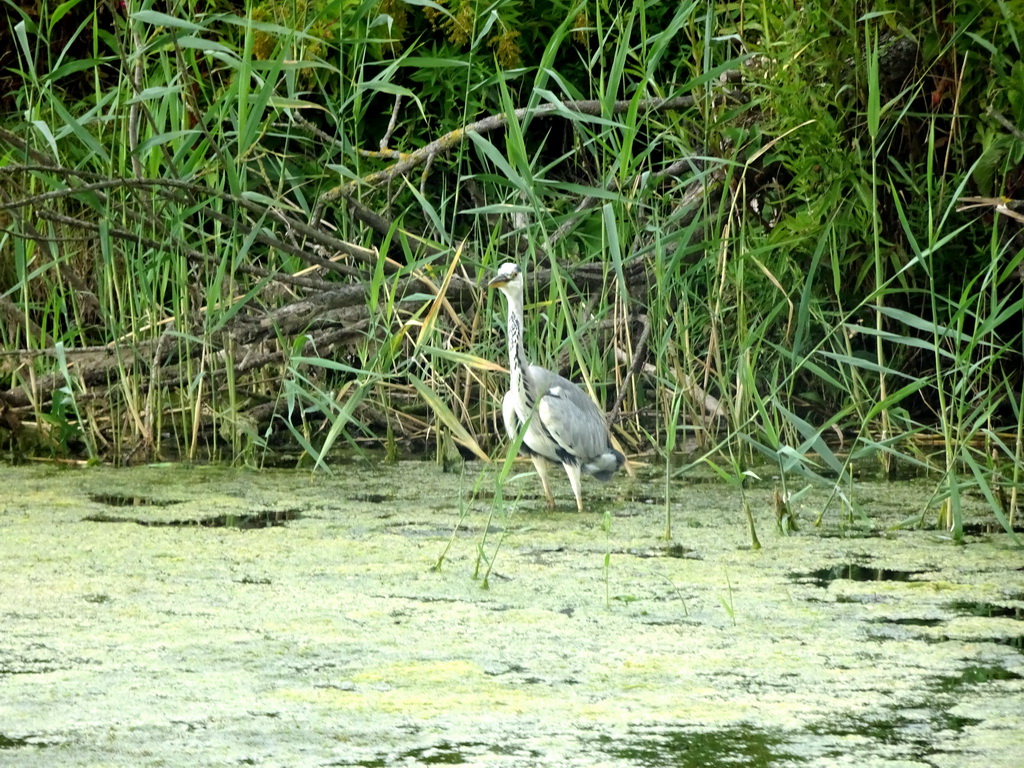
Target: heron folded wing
578,431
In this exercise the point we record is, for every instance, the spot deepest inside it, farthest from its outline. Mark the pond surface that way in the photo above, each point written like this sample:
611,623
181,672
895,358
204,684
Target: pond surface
196,616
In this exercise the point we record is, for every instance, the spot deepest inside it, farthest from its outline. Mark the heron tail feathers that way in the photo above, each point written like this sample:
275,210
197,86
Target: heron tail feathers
605,465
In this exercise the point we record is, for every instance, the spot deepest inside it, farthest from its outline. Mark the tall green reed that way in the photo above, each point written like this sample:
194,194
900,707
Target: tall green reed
778,311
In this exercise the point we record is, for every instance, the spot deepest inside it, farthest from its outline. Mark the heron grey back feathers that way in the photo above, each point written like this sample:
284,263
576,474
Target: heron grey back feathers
572,427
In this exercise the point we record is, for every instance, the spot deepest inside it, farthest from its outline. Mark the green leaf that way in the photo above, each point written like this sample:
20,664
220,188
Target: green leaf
48,137
462,358
202,44
866,364
60,12
21,35
332,365
164,20
154,92
928,326
575,115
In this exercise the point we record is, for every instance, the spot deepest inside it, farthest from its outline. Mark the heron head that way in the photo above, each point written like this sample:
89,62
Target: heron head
508,275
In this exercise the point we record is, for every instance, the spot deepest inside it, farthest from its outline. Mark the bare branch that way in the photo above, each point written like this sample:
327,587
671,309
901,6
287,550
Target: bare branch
391,123
493,122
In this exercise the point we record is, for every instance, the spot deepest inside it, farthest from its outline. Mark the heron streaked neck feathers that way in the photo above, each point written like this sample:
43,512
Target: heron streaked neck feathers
517,363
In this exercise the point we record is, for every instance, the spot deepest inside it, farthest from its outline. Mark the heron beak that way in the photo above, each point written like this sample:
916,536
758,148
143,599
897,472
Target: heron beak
497,282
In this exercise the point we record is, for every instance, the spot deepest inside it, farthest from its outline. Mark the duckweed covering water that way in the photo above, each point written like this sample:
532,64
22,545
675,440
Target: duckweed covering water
155,633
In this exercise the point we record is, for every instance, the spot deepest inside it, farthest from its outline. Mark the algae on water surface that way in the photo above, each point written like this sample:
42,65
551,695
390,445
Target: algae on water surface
141,627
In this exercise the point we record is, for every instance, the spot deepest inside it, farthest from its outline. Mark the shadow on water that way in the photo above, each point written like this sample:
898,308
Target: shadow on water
119,500
913,736
973,676
677,551
743,747
442,753
7,742
822,577
266,518
980,609
250,521
1017,643
910,621
371,498
988,528
987,610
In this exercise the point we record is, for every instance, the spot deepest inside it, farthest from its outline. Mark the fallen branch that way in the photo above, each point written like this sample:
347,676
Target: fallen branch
493,122
92,184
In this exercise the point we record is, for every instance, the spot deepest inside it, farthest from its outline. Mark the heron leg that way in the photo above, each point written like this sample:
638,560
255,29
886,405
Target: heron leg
541,465
575,475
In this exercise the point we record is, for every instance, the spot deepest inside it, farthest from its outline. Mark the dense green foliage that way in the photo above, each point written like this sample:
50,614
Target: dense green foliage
222,225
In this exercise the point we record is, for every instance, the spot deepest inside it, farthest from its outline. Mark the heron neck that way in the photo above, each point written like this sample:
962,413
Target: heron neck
517,364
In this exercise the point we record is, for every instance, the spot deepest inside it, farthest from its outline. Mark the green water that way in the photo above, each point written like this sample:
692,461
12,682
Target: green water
179,616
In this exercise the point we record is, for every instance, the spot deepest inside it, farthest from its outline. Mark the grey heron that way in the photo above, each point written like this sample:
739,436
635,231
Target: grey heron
564,426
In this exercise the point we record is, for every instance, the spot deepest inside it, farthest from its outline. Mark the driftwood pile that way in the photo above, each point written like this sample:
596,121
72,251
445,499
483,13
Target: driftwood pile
326,303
